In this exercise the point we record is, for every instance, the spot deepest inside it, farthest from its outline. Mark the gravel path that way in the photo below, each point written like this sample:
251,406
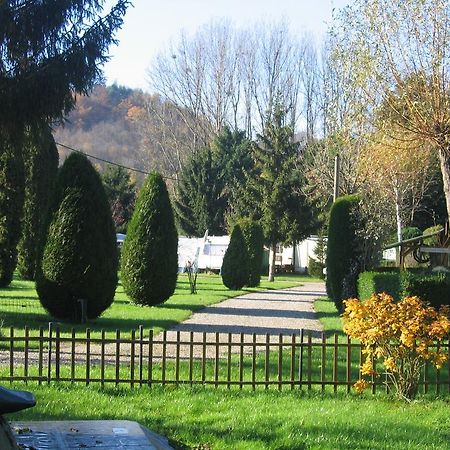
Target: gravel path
283,311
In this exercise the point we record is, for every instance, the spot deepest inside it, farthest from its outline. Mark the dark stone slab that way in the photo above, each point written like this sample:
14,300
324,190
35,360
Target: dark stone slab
87,434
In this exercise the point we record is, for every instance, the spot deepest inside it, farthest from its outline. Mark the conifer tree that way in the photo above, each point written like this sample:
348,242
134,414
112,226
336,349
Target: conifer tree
254,242
49,51
80,255
41,166
343,249
272,193
121,193
149,259
206,184
236,265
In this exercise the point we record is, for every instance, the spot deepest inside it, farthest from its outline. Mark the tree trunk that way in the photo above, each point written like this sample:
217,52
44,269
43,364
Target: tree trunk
444,159
273,250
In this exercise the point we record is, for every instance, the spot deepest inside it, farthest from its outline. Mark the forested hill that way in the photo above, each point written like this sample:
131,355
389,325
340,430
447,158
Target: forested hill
104,124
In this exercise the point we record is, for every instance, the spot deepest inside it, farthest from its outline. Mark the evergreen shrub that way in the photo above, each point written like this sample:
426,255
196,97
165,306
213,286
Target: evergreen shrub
11,203
80,254
315,268
149,259
342,249
410,233
430,287
254,242
41,168
235,267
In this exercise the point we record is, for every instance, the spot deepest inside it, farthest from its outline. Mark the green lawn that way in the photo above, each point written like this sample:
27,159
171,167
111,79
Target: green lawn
20,306
208,418
203,417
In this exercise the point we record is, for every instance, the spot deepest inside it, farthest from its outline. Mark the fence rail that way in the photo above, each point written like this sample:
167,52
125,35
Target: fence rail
303,360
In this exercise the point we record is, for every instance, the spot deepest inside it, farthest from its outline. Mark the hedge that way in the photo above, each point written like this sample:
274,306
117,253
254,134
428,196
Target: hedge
433,288
374,282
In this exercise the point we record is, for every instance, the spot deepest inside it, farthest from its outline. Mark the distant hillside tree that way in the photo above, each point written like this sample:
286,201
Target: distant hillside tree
41,167
80,255
149,260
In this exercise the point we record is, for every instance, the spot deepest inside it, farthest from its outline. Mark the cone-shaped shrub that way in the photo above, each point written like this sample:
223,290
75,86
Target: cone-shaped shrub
11,203
80,254
342,246
254,242
41,168
235,266
149,260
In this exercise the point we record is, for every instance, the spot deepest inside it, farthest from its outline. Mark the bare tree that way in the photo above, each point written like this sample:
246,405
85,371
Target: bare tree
226,76
399,49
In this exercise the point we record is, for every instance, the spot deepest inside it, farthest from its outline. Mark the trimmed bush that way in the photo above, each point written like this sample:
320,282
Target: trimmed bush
433,288
342,250
432,241
370,283
254,242
410,233
149,259
235,266
80,254
41,168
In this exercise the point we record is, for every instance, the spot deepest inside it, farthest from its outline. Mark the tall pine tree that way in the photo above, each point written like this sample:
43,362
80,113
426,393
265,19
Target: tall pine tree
273,191
49,52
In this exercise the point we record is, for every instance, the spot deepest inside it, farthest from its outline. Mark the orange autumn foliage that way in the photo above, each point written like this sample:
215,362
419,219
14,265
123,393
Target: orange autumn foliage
402,335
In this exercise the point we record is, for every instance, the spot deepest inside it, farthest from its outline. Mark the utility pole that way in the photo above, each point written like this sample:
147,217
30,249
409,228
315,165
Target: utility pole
336,177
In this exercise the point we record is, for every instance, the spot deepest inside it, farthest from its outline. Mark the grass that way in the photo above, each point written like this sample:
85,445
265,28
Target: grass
202,417
20,306
207,418
329,317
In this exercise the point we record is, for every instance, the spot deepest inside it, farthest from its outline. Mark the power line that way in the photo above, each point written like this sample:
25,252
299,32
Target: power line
133,169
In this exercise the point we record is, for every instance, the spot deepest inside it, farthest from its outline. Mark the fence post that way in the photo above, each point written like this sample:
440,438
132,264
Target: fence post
88,356
25,351
11,354
141,354
132,356
57,353
300,360
49,353
41,354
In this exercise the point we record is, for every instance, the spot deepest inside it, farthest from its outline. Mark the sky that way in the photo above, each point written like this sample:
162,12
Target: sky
151,24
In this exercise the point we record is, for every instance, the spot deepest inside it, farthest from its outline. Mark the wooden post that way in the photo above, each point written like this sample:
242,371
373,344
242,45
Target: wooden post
336,177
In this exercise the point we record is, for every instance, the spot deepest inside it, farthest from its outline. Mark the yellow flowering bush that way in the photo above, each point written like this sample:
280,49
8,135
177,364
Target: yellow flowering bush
402,335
